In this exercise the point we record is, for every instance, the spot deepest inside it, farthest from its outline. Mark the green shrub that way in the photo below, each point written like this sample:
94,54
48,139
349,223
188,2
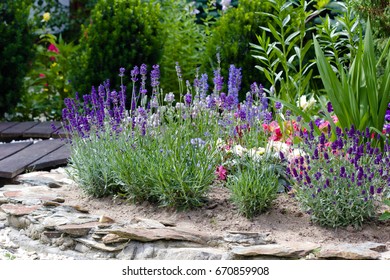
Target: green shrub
254,186
48,82
231,36
283,49
184,42
379,13
121,32
16,50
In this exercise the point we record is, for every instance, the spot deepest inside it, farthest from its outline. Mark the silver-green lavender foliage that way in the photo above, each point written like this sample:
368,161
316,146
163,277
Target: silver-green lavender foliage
340,183
254,186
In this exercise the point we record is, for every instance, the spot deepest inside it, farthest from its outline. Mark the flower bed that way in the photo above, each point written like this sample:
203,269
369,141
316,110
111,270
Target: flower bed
171,152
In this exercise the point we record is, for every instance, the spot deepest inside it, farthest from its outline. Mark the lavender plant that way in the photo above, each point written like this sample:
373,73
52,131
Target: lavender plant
339,183
254,187
161,150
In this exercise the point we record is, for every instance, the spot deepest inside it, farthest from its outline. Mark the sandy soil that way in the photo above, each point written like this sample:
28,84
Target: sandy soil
285,220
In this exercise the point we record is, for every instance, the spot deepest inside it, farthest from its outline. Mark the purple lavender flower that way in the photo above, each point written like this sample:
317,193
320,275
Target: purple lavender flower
155,76
267,116
143,69
229,102
203,86
218,81
134,73
278,105
188,99
197,142
234,83
264,103
211,102
242,114
169,97
122,72
178,71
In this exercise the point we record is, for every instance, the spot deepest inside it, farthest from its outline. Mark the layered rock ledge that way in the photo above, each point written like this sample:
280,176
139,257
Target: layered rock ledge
37,223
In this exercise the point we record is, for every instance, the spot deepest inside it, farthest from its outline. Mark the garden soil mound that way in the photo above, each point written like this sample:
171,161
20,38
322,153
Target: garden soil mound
284,220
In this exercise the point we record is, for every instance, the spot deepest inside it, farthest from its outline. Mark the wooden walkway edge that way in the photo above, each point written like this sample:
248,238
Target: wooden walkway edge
19,157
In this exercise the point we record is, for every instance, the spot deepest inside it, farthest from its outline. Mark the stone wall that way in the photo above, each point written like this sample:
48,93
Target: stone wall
35,219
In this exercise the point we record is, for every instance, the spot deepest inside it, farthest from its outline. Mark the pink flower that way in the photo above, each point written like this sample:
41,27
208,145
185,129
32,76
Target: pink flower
42,75
52,48
221,173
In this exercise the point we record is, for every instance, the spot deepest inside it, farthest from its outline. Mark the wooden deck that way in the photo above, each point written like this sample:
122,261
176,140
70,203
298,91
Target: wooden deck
47,152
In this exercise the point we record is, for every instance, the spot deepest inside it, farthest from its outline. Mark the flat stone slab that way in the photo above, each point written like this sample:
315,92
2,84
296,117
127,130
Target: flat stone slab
77,229
39,178
290,250
37,192
18,209
101,246
148,223
155,234
113,238
251,238
364,251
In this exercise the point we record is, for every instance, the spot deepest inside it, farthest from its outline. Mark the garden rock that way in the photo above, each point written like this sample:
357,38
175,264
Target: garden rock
3,216
294,250
155,234
101,246
18,210
349,252
113,238
76,229
248,238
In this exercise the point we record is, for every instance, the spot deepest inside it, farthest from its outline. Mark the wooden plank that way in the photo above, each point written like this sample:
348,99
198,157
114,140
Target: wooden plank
11,148
55,158
41,130
17,163
5,125
17,130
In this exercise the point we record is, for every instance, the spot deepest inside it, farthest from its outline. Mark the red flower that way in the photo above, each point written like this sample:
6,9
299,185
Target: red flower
42,75
221,172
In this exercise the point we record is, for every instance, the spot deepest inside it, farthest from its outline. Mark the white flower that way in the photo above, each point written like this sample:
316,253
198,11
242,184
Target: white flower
304,104
256,153
295,153
225,4
239,150
277,146
220,143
